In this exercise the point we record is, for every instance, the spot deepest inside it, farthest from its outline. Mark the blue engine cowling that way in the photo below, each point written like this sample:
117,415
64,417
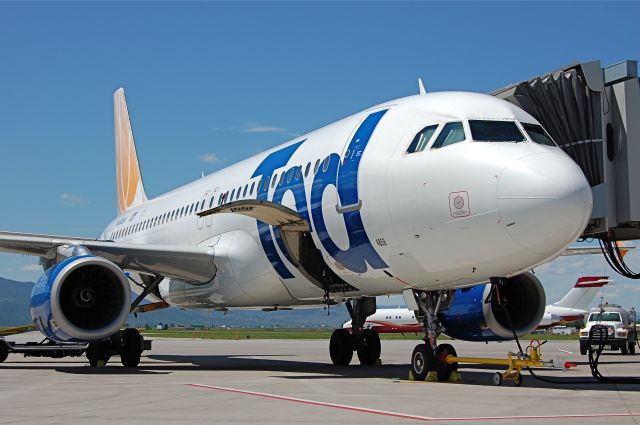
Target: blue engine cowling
84,298
474,316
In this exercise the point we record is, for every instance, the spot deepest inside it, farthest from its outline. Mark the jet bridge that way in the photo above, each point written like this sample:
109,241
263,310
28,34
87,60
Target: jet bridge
593,113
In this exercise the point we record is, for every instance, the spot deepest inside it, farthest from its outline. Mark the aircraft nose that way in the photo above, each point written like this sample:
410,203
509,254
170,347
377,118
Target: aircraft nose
544,202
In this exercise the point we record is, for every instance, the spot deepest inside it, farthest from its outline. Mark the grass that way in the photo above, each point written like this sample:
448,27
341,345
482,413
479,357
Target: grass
279,333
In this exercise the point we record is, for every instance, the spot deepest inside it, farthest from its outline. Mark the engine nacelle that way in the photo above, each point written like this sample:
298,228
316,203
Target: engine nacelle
470,318
84,298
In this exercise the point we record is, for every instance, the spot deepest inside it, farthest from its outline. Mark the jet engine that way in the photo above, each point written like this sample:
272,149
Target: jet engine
477,314
83,298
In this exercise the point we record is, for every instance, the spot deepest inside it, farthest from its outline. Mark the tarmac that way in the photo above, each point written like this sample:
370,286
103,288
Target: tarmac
184,381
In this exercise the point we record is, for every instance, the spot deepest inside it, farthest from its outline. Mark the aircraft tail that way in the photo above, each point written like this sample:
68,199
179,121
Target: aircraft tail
584,291
130,190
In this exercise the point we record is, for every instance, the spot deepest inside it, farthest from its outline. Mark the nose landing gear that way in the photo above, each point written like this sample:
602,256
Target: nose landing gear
428,360
365,342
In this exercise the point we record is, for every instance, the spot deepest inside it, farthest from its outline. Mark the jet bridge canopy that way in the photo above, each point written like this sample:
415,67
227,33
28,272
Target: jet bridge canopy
593,113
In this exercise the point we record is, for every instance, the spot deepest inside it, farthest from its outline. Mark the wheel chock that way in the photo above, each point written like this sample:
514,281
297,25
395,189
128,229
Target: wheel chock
432,376
100,363
411,377
455,376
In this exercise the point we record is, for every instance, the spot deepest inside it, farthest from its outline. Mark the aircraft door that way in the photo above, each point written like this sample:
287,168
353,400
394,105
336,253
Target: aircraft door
202,203
210,204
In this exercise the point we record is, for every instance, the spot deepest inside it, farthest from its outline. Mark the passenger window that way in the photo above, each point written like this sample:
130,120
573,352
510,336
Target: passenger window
306,170
273,181
244,192
281,179
298,173
202,205
422,139
211,202
252,187
315,167
325,164
233,192
452,132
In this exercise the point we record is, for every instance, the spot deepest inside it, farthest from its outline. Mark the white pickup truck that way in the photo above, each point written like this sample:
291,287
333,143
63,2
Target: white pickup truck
620,328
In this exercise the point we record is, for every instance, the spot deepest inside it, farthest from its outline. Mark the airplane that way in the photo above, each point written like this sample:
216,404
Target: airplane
423,195
573,306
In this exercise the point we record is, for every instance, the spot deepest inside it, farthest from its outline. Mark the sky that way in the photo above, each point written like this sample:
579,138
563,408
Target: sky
210,83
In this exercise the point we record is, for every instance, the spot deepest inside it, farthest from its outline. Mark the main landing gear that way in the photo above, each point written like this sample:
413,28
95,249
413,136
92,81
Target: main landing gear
129,344
428,360
365,342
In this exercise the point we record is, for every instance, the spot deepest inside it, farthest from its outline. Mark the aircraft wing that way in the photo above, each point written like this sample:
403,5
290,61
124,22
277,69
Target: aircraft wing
191,264
587,250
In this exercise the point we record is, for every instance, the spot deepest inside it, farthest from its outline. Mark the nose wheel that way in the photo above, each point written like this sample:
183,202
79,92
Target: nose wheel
425,360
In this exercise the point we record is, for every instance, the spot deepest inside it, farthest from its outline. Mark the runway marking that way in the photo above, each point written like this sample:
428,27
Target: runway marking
406,415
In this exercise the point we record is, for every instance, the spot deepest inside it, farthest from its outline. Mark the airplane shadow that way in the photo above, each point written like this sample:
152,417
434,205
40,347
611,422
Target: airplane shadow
481,375
472,374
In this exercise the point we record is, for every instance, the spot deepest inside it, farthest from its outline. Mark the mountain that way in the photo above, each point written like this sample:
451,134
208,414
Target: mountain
14,311
14,302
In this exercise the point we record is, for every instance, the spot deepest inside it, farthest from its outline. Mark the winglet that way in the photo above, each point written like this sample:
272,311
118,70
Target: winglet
130,191
421,87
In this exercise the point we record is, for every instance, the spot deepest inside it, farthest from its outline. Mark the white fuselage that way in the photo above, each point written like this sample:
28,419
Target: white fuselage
384,220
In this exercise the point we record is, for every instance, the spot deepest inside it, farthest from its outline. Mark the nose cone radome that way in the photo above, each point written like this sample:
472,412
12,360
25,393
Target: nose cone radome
544,202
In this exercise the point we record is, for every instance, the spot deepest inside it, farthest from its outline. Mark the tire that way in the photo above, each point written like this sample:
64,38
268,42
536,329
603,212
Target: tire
4,352
341,347
444,368
518,380
422,362
583,349
369,347
497,379
132,347
99,351
419,362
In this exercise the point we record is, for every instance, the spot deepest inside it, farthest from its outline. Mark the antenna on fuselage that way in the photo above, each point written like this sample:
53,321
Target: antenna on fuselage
421,87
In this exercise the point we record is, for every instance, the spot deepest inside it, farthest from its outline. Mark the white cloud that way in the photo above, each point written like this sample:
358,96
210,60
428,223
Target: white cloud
253,127
257,128
31,268
209,158
71,199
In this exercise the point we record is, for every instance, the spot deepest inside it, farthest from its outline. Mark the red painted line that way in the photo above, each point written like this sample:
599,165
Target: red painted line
405,415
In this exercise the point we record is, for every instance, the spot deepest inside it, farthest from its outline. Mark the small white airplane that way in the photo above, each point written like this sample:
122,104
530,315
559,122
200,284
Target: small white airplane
573,306
419,195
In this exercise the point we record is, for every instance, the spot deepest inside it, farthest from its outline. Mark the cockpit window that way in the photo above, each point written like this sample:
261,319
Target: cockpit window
422,139
537,134
495,131
452,132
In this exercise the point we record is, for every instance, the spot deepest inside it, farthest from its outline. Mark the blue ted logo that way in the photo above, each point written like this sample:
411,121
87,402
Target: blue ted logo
341,174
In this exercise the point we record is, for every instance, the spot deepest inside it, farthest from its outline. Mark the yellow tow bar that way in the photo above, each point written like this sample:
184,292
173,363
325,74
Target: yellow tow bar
514,362
17,330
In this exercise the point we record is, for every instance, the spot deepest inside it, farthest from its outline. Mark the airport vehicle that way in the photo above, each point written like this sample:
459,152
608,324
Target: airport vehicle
620,324
572,306
425,195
